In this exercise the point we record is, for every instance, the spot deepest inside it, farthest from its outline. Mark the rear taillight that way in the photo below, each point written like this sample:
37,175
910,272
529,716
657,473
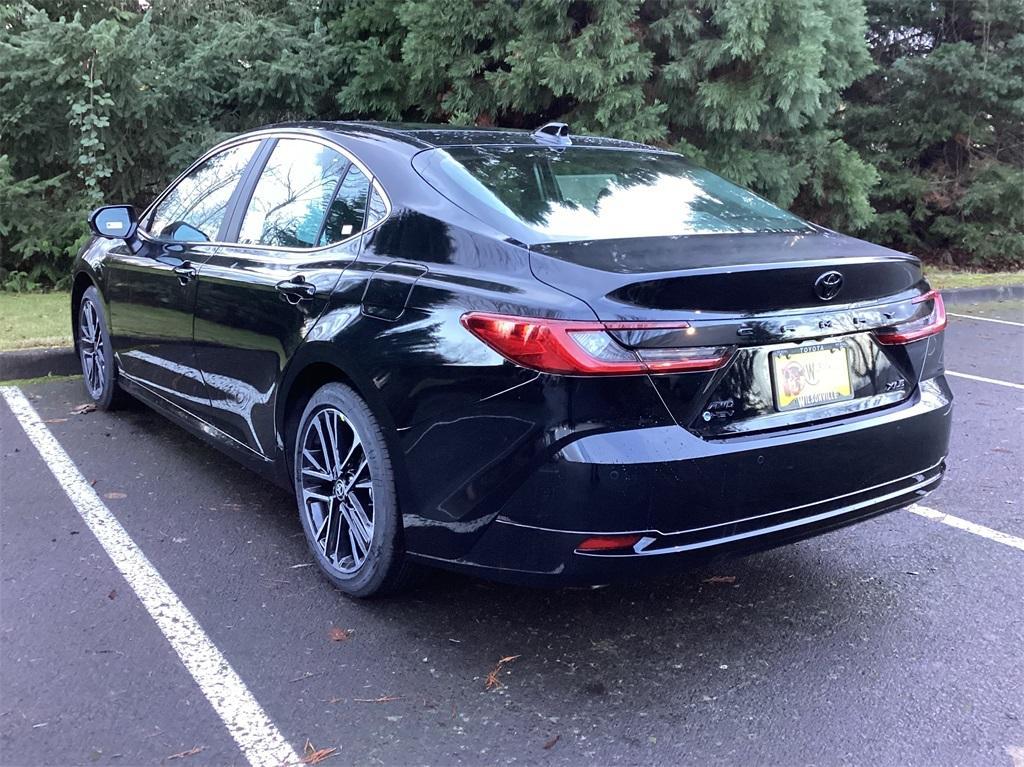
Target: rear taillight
568,347
925,324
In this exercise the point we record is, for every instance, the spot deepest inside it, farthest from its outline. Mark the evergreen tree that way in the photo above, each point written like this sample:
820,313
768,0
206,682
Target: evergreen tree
836,109
942,118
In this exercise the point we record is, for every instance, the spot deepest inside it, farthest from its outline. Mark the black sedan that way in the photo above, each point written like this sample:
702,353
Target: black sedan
538,357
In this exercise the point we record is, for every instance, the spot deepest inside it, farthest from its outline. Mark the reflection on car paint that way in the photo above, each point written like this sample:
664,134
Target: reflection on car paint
240,398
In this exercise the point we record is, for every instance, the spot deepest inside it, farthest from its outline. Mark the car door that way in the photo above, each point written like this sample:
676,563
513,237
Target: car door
294,234
151,291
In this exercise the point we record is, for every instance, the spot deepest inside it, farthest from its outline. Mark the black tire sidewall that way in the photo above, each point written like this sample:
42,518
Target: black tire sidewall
386,553
106,398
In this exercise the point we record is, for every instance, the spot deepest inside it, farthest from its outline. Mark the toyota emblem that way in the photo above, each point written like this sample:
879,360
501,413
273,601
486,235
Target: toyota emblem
828,285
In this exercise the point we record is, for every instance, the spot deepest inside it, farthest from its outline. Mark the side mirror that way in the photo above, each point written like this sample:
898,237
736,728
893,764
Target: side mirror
116,222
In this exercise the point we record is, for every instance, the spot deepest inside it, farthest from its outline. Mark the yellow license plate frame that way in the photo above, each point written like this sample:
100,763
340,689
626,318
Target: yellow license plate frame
810,376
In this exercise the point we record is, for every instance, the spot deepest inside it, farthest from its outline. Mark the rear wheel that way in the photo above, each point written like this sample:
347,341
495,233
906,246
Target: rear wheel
95,352
345,488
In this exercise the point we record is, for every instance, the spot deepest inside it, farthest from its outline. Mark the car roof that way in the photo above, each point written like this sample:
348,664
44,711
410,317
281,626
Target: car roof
429,136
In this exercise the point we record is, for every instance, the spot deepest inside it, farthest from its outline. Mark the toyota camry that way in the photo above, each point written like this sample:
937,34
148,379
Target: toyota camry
534,356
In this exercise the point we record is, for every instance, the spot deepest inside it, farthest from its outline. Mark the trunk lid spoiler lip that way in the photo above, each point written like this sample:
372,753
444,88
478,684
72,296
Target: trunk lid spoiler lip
714,252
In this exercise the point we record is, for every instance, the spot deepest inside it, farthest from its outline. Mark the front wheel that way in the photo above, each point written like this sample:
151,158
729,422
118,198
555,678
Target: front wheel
345,488
96,353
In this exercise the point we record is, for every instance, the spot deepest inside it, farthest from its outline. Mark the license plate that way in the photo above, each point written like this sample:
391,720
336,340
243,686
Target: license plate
810,375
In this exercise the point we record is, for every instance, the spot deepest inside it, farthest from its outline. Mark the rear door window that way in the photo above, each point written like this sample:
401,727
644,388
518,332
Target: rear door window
193,211
347,211
293,195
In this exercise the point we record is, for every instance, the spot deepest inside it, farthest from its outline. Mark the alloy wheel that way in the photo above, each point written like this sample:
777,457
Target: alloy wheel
91,349
337,489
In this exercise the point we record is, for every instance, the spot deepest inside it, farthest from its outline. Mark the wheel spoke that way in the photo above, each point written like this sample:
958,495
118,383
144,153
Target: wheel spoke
323,526
308,455
332,432
359,535
356,444
359,518
358,554
327,467
338,515
317,474
90,373
333,532
88,330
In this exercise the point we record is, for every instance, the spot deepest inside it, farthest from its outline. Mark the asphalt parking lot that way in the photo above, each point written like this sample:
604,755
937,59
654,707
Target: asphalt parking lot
899,641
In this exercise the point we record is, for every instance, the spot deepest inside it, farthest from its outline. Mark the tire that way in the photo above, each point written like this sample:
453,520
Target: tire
95,352
343,480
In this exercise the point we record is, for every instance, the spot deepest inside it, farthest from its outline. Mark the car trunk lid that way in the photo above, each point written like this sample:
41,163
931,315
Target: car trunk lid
736,274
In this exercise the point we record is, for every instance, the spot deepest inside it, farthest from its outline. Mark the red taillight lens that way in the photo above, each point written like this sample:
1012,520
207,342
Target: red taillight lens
568,347
608,543
928,325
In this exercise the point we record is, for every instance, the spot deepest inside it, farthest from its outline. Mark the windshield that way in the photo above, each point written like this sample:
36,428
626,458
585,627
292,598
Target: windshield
576,193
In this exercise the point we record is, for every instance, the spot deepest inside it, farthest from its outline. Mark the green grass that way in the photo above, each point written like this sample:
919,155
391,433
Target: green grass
29,320
19,382
945,279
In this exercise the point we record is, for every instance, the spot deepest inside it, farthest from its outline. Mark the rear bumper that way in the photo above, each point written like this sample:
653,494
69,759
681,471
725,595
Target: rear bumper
544,557
692,500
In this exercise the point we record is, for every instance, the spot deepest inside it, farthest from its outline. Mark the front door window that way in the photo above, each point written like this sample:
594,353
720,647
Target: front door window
194,210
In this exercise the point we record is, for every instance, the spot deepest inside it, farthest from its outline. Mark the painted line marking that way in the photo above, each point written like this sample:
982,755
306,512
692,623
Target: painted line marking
254,732
971,527
986,319
995,381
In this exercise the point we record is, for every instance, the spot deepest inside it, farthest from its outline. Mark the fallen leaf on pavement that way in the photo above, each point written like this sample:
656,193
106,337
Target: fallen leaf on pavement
338,634
492,677
721,579
550,742
183,754
315,755
87,407
112,594
114,495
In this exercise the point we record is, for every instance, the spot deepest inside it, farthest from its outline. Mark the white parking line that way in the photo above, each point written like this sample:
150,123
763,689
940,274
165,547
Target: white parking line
986,319
971,527
995,381
254,732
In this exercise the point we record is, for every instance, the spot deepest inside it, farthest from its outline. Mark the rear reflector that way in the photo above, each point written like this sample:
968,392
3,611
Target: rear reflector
609,542
928,324
568,347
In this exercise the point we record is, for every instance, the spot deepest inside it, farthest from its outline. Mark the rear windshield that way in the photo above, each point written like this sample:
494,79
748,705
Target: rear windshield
577,193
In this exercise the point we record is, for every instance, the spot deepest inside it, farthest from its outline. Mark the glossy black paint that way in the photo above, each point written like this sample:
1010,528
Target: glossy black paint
502,470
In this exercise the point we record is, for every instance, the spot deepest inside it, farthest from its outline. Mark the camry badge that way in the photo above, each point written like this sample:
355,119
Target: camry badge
828,285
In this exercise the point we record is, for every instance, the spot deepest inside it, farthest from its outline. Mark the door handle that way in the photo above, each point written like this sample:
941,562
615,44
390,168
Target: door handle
296,289
185,272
